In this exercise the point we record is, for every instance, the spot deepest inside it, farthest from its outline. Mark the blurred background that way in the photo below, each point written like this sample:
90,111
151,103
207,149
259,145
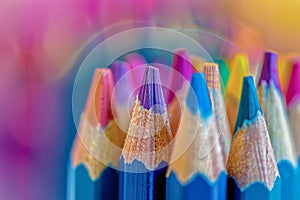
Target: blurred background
42,42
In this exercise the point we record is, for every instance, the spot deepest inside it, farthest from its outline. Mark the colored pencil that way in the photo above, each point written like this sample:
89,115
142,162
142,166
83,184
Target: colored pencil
122,94
183,66
181,77
147,147
224,73
137,66
92,173
251,165
212,75
198,169
293,102
284,71
274,108
239,68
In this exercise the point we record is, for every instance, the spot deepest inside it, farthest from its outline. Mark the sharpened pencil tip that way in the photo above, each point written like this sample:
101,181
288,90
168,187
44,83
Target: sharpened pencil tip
239,68
182,64
293,90
119,68
212,75
269,71
198,97
249,104
150,94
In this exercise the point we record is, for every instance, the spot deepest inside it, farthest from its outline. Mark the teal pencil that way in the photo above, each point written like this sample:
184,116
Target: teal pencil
251,165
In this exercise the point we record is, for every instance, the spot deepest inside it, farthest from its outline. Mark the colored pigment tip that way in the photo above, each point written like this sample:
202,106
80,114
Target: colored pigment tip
238,69
249,104
183,66
99,98
212,75
224,72
151,94
119,68
269,70
198,99
293,91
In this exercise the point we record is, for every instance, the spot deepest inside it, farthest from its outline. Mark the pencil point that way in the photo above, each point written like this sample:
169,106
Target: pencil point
249,104
212,75
224,71
198,97
293,91
134,60
104,97
269,70
239,68
182,64
119,68
150,94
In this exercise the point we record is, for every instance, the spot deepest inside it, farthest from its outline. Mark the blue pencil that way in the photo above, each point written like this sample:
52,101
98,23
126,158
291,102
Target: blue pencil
147,147
197,170
251,165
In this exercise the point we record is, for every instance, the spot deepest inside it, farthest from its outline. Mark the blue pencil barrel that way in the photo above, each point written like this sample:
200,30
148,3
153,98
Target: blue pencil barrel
199,187
142,184
82,187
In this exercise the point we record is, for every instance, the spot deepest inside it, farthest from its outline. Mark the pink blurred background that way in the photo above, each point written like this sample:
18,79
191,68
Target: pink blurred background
40,42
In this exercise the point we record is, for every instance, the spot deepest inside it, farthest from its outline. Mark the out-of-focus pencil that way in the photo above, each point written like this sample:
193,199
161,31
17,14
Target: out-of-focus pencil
284,71
224,73
293,102
137,64
212,75
147,147
181,77
251,165
198,170
89,177
124,88
274,109
183,66
239,68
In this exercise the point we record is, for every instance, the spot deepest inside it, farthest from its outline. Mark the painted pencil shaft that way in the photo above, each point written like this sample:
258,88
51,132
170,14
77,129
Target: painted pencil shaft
251,163
198,168
147,146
